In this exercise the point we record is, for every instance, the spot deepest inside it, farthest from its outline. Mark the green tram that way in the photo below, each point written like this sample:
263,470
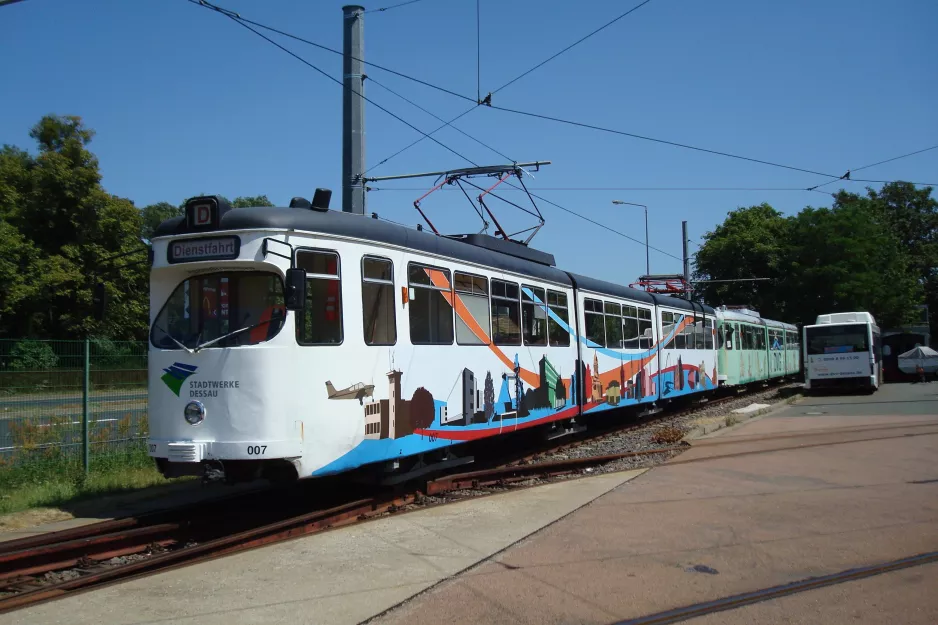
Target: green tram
753,349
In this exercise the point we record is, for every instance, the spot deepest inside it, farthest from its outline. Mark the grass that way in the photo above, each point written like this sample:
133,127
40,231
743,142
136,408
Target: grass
731,420
55,480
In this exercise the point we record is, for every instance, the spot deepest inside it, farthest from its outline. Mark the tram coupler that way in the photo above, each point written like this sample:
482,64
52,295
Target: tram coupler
213,472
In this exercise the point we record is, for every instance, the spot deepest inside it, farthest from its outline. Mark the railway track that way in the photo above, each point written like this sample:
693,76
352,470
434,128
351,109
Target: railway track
49,566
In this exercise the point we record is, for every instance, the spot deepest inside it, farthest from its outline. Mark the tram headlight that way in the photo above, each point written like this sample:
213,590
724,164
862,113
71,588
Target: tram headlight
194,413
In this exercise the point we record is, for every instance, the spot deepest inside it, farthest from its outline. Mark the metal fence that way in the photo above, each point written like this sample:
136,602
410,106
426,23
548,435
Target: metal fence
71,399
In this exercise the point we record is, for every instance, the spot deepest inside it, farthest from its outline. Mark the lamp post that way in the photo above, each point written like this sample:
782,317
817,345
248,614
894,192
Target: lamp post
647,263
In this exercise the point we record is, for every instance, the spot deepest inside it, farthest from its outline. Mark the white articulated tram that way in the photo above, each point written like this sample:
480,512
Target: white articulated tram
301,342
843,350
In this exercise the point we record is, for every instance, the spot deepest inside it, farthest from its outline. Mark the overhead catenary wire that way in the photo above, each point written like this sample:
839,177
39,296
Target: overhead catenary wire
208,5
603,189
888,160
572,45
603,226
438,118
690,147
896,158
426,135
488,100
656,140
393,6
241,22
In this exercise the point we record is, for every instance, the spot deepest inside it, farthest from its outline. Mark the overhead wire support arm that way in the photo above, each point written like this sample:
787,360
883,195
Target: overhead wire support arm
419,210
501,179
465,171
459,176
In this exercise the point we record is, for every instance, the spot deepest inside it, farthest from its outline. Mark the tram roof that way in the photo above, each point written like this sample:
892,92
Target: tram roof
479,249
370,229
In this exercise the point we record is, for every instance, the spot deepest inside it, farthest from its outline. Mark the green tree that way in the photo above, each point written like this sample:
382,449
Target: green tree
155,214
61,227
18,267
844,259
750,243
249,201
912,215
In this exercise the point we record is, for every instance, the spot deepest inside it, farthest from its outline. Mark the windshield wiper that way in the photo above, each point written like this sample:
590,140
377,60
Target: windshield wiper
230,334
173,339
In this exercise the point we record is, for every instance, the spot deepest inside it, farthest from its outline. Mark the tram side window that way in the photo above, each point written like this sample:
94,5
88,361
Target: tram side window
687,337
506,313
595,324
699,339
645,337
533,315
614,325
379,323
760,338
680,337
732,335
431,315
557,302
320,321
473,292
630,327
708,334
667,327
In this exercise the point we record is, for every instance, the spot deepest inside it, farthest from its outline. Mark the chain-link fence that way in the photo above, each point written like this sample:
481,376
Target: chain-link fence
71,400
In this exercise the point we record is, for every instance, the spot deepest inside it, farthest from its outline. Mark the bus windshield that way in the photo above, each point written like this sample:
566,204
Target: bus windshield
838,339
204,310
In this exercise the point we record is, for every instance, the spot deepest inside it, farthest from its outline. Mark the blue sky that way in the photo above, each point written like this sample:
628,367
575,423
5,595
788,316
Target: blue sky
184,102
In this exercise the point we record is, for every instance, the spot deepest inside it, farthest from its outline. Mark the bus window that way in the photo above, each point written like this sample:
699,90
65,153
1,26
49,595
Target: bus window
837,339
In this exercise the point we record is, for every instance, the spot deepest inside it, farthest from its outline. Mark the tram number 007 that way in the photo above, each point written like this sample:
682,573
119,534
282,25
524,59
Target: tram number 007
257,450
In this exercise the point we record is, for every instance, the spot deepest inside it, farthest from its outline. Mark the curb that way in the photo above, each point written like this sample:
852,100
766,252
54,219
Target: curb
702,431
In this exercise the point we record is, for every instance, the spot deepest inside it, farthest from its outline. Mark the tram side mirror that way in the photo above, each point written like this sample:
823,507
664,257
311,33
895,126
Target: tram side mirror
99,301
295,294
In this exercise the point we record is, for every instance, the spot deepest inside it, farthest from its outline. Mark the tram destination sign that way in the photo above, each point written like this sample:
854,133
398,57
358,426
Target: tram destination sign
210,248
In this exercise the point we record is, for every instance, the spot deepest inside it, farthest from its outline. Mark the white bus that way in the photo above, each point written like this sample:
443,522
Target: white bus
843,350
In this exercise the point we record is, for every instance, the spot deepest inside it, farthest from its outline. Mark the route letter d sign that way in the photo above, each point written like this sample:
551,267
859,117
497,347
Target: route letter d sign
202,215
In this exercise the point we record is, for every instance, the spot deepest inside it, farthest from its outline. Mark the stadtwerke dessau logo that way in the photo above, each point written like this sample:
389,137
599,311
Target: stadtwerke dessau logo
176,374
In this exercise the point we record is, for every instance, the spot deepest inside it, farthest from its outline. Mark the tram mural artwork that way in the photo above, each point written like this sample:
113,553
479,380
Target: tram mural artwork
402,343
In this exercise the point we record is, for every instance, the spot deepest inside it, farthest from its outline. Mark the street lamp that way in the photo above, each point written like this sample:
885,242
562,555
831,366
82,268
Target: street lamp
647,264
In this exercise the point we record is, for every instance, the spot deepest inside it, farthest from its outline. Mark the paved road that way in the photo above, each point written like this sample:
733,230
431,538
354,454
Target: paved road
787,497
68,398
890,399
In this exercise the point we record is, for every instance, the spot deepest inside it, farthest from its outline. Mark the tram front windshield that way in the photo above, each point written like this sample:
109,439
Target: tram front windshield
843,339
221,310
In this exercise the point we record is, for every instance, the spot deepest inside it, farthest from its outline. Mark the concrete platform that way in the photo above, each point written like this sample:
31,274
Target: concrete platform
343,576
778,499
